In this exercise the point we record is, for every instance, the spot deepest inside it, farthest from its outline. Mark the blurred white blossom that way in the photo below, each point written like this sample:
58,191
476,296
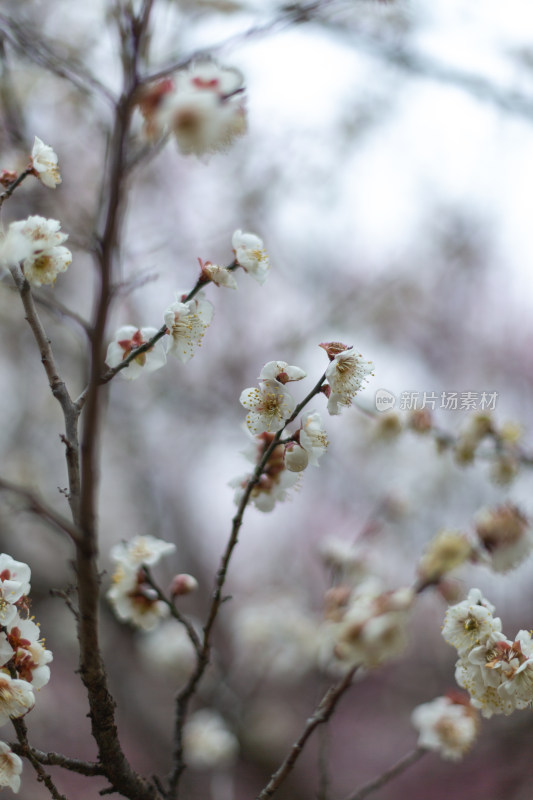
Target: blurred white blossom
447,727
209,744
16,698
125,340
37,242
10,768
44,162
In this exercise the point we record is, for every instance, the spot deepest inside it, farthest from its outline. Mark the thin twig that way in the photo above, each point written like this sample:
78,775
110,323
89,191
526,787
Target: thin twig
187,624
323,712
323,764
144,348
12,186
185,695
25,39
388,775
51,759
290,15
39,507
27,751
57,386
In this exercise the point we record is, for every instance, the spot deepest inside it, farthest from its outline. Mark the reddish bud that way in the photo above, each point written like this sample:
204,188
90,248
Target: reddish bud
182,584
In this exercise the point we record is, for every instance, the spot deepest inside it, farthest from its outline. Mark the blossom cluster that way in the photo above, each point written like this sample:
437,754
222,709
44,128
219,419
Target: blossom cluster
496,672
366,624
133,598
23,658
271,408
37,243
186,320
203,107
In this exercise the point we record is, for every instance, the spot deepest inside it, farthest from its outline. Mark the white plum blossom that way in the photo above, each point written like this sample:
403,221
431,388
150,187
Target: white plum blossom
204,109
37,242
505,537
14,585
209,744
270,489
141,550
346,375
374,627
250,254
275,637
125,340
470,623
10,768
132,597
221,276
168,650
134,600
275,480
313,437
281,371
16,698
270,406
446,727
187,323
31,657
44,162
496,672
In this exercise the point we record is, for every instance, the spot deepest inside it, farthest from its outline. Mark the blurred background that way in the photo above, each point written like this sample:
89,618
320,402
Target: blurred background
388,168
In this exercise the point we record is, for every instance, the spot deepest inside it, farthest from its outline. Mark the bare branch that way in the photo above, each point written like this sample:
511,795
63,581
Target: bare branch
58,387
26,751
39,507
292,14
88,768
388,775
12,186
188,691
323,712
178,616
30,43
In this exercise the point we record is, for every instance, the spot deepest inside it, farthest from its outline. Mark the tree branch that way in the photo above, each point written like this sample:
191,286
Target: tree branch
88,768
388,775
27,751
188,691
323,712
32,46
39,507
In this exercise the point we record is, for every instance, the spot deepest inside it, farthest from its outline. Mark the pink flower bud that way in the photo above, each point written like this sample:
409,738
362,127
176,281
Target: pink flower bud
182,584
334,348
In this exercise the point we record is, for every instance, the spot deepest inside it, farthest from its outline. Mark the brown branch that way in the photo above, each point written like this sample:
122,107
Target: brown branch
323,712
185,695
25,750
88,768
144,348
31,45
114,763
39,507
292,14
388,775
57,386
178,616
12,186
